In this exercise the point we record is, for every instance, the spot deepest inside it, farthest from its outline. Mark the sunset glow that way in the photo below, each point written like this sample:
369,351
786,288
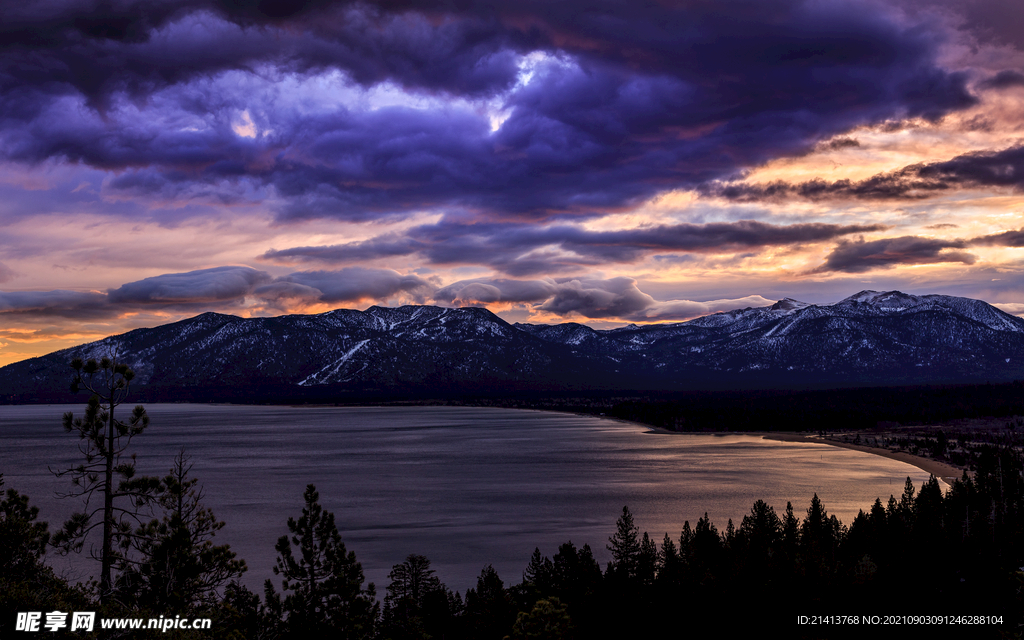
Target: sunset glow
600,163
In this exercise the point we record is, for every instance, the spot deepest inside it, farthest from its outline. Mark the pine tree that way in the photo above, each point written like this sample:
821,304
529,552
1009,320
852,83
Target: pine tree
26,582
647,561
107,469
23,541
324,594
180,569
670,571
538,572
489,611
625,546
416,600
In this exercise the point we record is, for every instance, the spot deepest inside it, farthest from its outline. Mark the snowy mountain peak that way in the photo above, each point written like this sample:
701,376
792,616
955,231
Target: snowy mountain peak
871,337
788,305
886,300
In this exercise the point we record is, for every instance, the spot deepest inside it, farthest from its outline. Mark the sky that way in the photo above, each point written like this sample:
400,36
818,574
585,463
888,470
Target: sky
600,162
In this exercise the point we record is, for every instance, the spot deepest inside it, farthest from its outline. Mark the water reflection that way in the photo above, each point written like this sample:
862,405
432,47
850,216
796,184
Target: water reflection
462,486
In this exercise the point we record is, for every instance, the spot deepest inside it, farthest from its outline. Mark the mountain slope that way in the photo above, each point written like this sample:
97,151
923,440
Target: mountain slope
868,338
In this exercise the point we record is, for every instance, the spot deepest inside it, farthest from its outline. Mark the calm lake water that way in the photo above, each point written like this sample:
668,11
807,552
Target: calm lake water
465,487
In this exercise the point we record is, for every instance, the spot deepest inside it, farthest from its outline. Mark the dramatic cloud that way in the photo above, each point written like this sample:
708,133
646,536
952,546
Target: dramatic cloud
1004,80
536,154
1003,168
860,256
523,250
487,290
225,288
353,284
527,110
206,285
594,298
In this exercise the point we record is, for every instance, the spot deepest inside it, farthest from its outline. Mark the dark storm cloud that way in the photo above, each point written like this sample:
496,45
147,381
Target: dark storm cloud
980,169
525,250
633,99
1004,80
859,256
205,285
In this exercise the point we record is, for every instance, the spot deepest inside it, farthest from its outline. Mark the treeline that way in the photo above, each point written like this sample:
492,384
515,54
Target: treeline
833,409
919,553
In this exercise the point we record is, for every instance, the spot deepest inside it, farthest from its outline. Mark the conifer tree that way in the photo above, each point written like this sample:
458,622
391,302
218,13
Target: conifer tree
647,561
576,575
323,586
107,469
489,612
417,605
670,564
179,568
625,546
26,582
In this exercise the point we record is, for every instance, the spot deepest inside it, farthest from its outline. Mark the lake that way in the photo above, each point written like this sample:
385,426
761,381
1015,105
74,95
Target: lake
463,486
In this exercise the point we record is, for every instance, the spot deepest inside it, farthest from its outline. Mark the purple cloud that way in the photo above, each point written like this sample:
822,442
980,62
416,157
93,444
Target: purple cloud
594,298
65,304
350,284
981,169
625,102
225,288
521,250
206,285
859,256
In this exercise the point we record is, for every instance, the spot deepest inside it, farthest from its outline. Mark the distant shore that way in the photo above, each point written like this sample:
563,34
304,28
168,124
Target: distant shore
941,470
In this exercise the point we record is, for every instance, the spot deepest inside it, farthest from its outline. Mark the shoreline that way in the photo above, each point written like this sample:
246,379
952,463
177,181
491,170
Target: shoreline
941,470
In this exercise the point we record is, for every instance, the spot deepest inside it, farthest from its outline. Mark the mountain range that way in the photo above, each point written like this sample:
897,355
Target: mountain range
871,338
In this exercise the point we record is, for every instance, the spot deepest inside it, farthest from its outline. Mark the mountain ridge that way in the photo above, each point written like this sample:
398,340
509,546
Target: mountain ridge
868,338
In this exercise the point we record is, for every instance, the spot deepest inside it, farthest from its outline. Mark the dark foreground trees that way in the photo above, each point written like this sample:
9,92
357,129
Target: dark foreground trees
26,583
417,605
176,566
322,582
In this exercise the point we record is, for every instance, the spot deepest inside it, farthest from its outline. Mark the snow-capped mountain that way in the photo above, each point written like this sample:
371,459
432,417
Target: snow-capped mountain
868,338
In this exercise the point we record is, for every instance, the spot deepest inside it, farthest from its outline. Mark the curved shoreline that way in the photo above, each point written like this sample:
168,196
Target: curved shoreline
941,470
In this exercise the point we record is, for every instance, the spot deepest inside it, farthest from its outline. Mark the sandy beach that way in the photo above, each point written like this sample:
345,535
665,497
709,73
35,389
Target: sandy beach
942,470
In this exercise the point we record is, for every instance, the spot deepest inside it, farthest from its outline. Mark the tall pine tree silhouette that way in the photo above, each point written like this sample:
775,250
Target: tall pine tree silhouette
323,584
107,468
